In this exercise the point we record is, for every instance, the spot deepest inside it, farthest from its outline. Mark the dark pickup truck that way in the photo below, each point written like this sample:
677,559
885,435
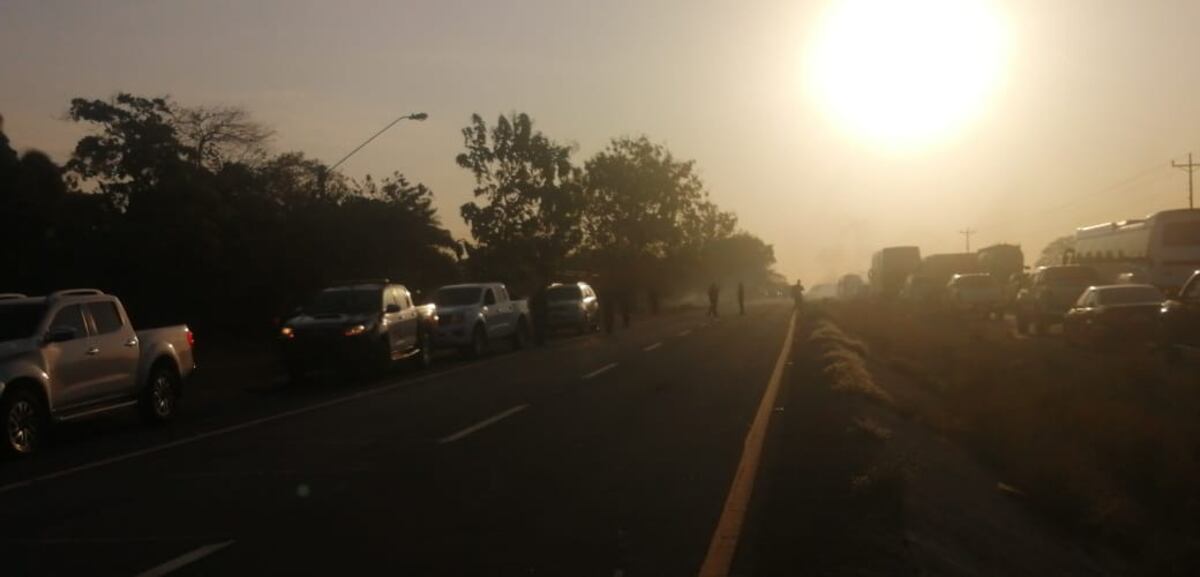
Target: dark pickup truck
360,327
1051,292
1180,319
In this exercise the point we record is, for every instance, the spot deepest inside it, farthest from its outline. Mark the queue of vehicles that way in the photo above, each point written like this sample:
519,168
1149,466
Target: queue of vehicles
74,354
1135,279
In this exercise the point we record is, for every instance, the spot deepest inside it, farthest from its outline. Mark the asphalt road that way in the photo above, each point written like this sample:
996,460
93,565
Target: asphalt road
595,455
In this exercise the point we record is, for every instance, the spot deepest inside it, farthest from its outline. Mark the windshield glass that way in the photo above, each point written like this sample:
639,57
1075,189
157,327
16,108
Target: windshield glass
1182,234
1070,275
982,281
1130,295
457,296
19,321
347,301
564,293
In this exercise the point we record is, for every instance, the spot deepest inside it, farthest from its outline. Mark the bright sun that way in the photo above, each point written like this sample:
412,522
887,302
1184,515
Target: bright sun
906,72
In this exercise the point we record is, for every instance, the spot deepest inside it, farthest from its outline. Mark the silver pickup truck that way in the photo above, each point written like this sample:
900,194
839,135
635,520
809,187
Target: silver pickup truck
471,316
74,354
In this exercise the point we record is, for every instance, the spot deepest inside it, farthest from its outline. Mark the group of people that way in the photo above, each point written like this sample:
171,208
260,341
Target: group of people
714,297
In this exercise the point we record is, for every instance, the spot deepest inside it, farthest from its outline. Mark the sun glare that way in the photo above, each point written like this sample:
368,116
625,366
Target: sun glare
904,73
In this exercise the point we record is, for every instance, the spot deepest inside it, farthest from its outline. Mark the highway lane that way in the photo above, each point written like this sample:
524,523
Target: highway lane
593,456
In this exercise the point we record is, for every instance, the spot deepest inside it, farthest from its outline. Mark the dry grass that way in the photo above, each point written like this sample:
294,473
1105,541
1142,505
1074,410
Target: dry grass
1109,443
843,361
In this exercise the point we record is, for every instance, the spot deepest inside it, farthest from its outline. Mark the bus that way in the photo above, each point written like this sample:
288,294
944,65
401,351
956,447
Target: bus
1163,248
890,267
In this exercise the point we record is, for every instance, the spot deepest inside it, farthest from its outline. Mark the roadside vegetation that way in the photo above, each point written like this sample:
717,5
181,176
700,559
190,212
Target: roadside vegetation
1107,443
191,216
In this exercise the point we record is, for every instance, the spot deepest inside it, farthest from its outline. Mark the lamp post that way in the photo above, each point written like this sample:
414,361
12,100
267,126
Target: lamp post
323,175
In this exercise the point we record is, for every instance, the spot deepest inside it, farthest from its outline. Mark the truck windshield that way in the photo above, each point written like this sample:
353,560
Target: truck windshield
457,296
347,301
564,293
19,321
1130,295
1071,275
981,281
1182,234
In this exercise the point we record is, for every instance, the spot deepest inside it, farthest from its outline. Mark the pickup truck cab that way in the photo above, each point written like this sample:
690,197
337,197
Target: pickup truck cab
363,326
572,306
1050,292
471,316
975,292
1179,319
74,354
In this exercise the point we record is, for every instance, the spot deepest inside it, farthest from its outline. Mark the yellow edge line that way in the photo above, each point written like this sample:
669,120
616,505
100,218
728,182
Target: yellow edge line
729,528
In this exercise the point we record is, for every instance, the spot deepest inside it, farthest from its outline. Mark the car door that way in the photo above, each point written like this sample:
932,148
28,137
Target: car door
393,316
508,310
1189,322
115,358
68,357
492,314
408,319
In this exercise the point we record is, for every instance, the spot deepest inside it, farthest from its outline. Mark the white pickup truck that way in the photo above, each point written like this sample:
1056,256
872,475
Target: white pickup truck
74,354
471,316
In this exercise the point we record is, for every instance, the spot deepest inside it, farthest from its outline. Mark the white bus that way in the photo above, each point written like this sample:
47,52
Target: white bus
1163,248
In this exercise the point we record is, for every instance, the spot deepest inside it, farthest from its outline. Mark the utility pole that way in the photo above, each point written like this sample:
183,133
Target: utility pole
323,173
967,232
1190,167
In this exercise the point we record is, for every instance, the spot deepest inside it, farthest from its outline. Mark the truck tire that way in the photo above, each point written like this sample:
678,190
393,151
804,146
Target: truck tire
521,335
381,357
159,400
1022,324
479,343
25,422
424,357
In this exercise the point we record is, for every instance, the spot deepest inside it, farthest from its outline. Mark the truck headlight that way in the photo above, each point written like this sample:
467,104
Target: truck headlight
287,333
355,330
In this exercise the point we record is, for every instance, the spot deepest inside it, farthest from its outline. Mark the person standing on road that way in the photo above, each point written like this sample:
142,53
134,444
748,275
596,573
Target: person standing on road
714,295
741,299
798,294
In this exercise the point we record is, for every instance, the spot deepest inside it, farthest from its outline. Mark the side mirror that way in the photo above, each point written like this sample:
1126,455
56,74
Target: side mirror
60,335
392,308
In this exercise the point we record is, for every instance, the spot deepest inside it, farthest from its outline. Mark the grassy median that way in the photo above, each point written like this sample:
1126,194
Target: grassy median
1106,442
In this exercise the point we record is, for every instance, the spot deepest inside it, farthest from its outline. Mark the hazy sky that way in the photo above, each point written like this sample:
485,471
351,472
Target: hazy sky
1094,100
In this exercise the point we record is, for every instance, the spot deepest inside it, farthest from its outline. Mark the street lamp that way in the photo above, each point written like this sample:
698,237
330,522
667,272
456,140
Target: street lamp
418,116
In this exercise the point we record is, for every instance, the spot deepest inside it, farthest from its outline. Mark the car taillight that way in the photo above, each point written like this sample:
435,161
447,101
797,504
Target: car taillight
191,337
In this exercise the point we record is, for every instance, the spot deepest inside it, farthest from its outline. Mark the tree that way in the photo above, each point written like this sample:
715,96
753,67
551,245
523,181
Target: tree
215,135
136,143
528,221
648,214
1054,252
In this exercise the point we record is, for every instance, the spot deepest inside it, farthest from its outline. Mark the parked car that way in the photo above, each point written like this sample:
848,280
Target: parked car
360,327
975,292
472,316
74,354
572,306
1109,313
1179,319
1049,293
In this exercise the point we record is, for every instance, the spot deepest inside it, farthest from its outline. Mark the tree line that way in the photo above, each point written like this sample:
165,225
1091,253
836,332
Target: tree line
187,214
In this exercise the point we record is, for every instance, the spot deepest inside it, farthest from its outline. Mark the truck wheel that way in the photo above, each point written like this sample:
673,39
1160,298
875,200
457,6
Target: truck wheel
478,344
381,357
424,356
521,335
160,396
25,422
1022,324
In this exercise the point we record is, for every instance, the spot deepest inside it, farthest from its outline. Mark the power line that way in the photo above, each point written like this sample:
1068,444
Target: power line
967,232
1190,167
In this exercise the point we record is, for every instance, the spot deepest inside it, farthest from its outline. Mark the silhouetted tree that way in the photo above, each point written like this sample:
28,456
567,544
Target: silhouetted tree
529,217
1054,251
